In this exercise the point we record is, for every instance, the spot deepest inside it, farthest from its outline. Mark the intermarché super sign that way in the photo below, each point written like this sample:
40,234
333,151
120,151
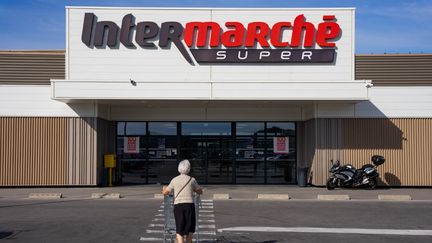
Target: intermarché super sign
204,39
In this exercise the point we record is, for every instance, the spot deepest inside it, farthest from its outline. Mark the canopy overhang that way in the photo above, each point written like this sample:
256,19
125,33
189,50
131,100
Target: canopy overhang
75,90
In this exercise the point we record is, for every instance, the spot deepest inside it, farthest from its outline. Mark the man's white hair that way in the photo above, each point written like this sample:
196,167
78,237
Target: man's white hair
184,167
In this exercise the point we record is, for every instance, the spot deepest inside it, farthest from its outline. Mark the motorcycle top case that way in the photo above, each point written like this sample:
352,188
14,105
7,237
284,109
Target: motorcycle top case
378,160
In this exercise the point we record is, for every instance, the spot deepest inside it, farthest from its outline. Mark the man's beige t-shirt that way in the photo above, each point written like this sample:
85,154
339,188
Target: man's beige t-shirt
186,195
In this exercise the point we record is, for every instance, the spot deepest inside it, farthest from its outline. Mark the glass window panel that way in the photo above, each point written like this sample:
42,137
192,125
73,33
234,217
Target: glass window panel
206,128
281,129
250,128
120,128
250,159
281,167
162,152
135,128
162,128
132,167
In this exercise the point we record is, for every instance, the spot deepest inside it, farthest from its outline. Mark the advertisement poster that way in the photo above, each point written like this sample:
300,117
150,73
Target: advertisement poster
131,145
280,145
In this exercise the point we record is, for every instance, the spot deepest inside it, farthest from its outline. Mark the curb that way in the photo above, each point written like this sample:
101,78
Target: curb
394,197
112,196
273,196
97,195
333,197
45,195
106,195
221,196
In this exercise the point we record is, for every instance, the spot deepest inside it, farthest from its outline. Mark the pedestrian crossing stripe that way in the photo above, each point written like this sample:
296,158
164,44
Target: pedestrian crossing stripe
207,213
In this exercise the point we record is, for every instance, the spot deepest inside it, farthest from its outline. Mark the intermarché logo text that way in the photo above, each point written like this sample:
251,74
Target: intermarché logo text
204,39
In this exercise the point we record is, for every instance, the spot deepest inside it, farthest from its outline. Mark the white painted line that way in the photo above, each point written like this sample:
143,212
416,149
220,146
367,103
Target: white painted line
160,210
159,215
154,231
155,225
207,215
158,219
207,203
211,240
207,226
206,211
206,200
331,230
206,220
207,233
150,239
209,207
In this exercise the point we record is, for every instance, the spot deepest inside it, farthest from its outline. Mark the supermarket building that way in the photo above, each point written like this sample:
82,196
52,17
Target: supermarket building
249,96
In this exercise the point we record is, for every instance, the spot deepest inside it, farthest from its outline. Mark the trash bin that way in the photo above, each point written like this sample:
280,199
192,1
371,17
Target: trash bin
302,177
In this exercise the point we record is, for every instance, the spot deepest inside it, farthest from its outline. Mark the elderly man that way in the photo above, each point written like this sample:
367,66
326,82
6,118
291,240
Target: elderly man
184,209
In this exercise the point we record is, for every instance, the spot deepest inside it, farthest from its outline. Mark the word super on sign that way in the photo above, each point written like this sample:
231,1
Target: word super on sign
210,43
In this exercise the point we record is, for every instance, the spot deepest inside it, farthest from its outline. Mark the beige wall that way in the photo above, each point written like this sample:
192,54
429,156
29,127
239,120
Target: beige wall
33,151
405,143
69,151
52,151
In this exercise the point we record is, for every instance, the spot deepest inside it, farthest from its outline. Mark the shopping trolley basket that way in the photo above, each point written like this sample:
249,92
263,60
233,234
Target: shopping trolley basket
169,222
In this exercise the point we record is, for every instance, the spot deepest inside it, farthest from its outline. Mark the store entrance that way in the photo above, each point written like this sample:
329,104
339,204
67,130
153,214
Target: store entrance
219,152
208,146
210,157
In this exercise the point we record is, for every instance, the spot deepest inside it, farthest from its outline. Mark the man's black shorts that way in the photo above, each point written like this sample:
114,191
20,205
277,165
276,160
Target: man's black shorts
184,214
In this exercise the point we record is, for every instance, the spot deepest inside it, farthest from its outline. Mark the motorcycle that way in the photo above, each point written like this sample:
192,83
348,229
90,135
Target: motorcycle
349,176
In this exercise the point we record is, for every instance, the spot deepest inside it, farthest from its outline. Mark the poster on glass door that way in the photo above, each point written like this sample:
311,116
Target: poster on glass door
131,145
280,145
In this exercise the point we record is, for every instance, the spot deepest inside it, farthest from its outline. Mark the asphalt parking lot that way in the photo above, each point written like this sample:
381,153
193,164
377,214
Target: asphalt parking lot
105,220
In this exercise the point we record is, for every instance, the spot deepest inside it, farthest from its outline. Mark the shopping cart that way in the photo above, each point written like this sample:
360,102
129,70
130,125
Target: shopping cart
169,222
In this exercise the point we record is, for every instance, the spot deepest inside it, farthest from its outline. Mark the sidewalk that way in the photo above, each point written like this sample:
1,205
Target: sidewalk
236,192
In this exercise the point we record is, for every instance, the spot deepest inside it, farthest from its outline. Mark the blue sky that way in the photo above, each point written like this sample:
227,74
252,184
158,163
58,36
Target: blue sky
382,26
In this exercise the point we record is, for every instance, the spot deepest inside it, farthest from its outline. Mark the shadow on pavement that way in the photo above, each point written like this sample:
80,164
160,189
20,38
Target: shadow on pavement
10,235
5,234
46,202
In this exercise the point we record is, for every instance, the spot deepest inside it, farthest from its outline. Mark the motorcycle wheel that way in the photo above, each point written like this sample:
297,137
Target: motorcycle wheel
330,184
372,183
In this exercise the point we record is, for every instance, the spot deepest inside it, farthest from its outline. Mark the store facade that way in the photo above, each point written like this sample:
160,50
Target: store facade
249,96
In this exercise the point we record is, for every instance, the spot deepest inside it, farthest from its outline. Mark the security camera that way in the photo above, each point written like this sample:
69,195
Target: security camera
133,82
